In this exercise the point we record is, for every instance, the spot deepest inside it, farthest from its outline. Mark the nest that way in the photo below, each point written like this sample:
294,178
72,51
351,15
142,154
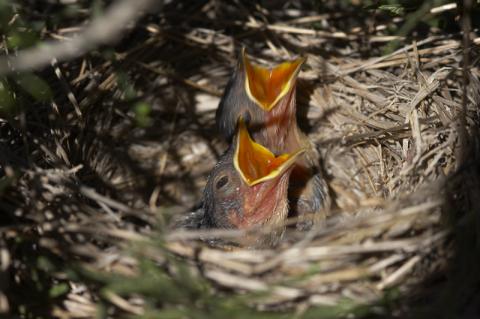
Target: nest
397,135
390,144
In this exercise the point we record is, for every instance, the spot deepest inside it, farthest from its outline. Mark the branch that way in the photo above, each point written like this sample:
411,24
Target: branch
105,29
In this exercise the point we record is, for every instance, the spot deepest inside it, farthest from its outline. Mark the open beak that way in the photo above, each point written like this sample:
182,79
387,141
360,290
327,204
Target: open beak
266,86
255,163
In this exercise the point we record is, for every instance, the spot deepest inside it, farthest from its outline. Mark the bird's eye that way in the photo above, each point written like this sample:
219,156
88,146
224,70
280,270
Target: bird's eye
221,182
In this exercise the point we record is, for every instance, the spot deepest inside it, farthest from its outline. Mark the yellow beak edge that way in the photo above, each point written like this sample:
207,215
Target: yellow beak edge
256,163
266,86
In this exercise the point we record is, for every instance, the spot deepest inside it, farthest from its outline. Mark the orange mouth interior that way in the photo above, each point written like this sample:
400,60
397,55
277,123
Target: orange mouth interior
256,163
266,86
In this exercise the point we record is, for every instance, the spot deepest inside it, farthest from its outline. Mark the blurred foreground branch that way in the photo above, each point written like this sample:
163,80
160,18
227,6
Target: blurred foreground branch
104,29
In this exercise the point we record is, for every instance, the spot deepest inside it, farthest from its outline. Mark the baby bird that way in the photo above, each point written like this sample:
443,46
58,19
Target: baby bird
248,188
264,97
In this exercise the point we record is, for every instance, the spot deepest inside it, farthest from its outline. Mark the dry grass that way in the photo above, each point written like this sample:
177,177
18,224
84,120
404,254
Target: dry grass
88,177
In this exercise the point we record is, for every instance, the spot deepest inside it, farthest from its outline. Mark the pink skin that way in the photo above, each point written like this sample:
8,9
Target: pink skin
229,202
281,133
264,203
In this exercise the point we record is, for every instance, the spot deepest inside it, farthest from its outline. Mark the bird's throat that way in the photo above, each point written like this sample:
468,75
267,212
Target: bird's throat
280,122
264,204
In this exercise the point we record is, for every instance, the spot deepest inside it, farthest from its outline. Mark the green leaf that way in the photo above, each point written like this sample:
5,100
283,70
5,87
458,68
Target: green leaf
5,183
20,40
7,101
5,15
126,86
58,290
344,308
98,8
44,264
35,86
142,114
395,9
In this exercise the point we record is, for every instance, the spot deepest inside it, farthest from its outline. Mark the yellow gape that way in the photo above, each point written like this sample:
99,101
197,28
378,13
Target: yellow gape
266,86
256,163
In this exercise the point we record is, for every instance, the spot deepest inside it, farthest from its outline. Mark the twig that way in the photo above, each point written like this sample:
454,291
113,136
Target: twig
205,88
106,29
399,273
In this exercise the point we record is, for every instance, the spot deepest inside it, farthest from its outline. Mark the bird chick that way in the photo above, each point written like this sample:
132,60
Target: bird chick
263,97
248,188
